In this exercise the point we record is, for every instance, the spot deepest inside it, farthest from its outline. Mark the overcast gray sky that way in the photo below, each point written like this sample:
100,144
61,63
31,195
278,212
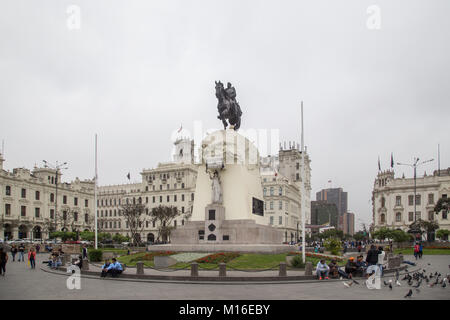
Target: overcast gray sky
136,70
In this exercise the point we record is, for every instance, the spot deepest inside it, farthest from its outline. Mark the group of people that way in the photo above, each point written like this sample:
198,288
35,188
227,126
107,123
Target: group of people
374,262
113,268
418,250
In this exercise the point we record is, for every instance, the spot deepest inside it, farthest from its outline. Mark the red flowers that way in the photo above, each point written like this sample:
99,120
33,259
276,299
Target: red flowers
220,257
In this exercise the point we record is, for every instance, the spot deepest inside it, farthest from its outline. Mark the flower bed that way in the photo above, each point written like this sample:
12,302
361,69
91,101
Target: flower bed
216,258
151,255
189,256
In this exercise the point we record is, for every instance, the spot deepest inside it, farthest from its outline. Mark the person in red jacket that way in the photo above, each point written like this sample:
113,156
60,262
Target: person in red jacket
32,258
416,250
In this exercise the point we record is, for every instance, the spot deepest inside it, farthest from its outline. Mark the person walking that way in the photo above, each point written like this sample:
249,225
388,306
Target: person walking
416,250
21,252
420,250
85,252
32,258
3,261
13,252
380,261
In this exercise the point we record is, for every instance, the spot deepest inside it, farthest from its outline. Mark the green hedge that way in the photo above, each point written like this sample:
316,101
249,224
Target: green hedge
95,255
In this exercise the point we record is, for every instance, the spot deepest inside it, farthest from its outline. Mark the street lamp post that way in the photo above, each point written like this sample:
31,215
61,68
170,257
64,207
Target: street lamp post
57,167
415,165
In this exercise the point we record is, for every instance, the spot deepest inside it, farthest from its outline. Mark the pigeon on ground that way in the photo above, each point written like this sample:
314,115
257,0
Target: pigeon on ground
398,283
409,294
355,281
348,284
385,283
405,277
390,285
417,290
418,284
444,284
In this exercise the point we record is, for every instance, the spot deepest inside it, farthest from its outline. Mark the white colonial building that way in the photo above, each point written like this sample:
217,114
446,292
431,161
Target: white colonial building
393,199
281,181
30,199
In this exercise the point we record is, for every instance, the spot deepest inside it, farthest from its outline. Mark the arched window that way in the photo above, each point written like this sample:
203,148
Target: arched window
382,218
383,202
398,217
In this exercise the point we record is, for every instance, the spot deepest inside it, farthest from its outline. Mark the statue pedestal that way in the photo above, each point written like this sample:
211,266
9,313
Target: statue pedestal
239,218
214,216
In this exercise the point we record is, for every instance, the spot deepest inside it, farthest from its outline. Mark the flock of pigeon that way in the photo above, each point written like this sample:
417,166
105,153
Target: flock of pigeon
414,281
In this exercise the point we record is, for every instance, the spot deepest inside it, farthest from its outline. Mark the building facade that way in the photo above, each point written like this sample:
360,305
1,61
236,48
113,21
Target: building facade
281,181
393,199
347,223
169,184
34,203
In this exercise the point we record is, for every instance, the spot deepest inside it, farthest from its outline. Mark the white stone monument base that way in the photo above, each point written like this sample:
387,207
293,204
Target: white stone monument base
211,248
232,232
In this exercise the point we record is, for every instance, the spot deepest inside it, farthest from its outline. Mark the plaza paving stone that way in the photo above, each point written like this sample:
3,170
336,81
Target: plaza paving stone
22,283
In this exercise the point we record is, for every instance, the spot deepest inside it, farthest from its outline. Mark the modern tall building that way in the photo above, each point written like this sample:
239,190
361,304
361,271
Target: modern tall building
393,199
324,213
34,203
347,223
336,196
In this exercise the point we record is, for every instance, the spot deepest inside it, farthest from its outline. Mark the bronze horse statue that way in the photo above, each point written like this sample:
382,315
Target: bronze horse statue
228,107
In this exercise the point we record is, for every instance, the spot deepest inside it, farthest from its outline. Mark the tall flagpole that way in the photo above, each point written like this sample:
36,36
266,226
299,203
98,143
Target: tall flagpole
302,188
95,196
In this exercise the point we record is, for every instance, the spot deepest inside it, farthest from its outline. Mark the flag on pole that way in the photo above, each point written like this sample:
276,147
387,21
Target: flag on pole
392,161
379,165
181,127
128,176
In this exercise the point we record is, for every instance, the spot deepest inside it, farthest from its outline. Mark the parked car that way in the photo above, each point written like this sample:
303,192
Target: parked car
85,242
125,243
72,242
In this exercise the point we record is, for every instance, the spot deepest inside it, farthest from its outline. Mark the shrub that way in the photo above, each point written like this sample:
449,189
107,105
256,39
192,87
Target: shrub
95,255
297,262
333,245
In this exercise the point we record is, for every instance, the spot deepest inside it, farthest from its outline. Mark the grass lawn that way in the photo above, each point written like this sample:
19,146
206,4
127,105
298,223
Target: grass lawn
246,261
410,251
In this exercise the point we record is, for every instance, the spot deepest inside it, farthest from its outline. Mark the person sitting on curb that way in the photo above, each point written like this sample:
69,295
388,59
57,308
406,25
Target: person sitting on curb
334,268
56,261
322,269
79,262
350,267
105,268
116,268
361,265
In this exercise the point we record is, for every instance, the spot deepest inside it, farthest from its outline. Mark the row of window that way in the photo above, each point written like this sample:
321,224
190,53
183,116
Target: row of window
139,200
164,176
280,220
115,213
398,200
37,196
37,213
117,224
398,216
272,191
280,205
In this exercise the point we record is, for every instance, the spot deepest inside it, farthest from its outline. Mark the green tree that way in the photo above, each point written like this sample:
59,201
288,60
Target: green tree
331,233
163,216
333,245
134,214
118,238
358,236
442,234
87,235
